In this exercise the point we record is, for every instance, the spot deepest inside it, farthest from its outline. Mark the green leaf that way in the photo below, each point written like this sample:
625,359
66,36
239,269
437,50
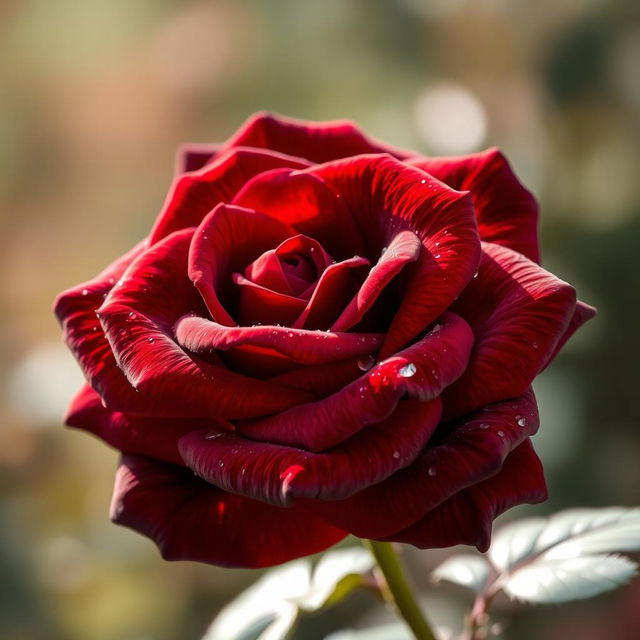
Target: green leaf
335,576
567,556
564,580
464,569
264,611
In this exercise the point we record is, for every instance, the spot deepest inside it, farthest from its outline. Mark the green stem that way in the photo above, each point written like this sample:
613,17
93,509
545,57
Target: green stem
397,591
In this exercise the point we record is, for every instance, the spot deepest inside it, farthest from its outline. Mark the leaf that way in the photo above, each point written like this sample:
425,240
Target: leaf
265,610
567,556
394,631
463,569
568,579
567,534
336,575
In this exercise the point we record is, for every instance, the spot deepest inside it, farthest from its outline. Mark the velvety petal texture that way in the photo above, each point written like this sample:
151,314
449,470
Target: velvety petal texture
322,335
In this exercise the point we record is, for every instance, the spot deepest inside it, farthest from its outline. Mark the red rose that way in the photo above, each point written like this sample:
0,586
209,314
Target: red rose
322,335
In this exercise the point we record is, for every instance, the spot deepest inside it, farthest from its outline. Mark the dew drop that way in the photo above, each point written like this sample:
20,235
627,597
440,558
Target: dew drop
501,433
365,363
396,454
522,422
408,370
212,435
436,256
431,471
484,426
132,315
150,340
85,292
535,345
423,181
475,275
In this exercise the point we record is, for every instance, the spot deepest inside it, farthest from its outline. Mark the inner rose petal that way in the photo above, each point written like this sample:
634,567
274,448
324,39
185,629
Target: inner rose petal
291,268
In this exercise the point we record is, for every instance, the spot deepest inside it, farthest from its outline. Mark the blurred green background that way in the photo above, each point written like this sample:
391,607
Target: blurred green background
96,96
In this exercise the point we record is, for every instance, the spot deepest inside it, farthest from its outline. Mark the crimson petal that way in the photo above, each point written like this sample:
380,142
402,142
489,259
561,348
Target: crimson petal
138,319
316,141
227,240
518,312
420,371
403,249
191,520
385,196
301,345
470,451
467,517
194,194
76,310
507,212
279,474
155,437
303,201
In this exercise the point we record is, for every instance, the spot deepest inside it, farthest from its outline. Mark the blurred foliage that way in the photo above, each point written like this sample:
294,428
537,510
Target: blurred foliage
96,96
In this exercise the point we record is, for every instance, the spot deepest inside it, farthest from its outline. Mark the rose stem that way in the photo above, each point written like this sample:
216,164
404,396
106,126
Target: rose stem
396,589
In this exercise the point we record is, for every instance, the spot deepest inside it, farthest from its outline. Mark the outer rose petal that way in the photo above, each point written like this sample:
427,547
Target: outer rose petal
138,319
191,520
472,450
419,371
193,156
384,197
278,474
193,195
467,517
518,313
582,313
155,437
507,212
76,311
316,141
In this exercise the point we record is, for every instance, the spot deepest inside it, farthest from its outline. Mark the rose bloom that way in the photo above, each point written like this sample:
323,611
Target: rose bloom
322,335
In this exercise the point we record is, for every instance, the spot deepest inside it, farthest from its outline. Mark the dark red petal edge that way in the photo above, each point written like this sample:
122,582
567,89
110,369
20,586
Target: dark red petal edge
191,520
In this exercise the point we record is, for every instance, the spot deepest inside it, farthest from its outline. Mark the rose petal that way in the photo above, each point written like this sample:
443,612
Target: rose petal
259,305
330,294
191,520
76,311
469,451
138,319
583,312
304,202
316,141
518,312
279,474
420,371
228,239
403,249
507,212
301,345
192,156
155,437
467,517
385,196
194,194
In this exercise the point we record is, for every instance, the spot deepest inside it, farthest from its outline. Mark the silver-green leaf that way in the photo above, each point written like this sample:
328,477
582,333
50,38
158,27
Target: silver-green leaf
464,569
547,581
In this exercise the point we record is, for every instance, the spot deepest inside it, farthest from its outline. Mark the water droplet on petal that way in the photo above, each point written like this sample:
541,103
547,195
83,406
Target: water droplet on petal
535,345
423,181
501,433
484,426
364,364
396,454
85,292
132,314
431,471
408,370
150,340
522,422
